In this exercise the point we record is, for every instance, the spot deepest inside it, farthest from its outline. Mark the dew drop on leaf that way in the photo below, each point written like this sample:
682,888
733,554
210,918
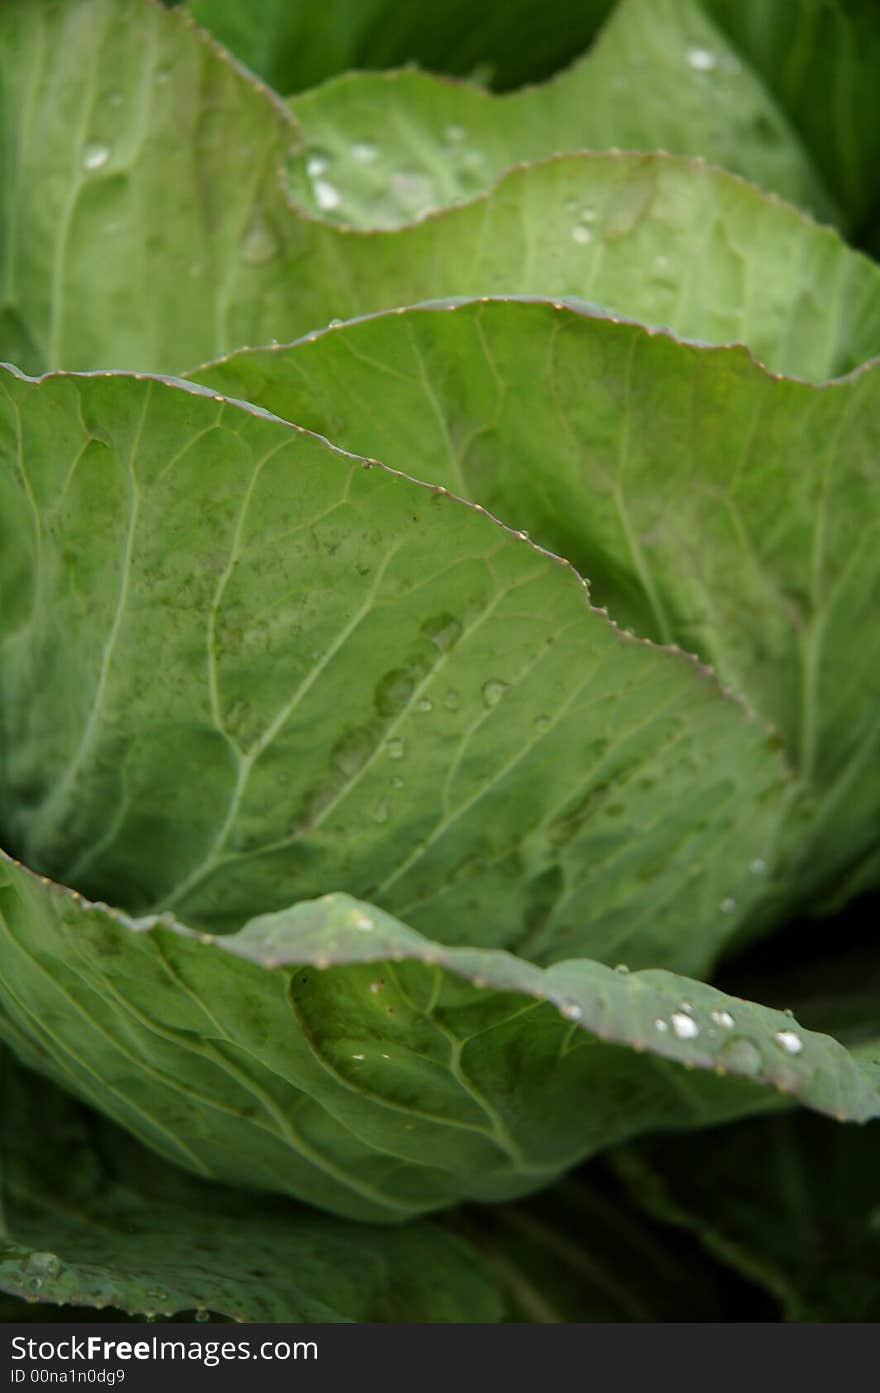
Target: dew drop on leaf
260,244
758,866
95,155
47,1263
571,1011
789,1040
684,1026
493,691
723,1018
581,234
728,905
327,196
443,631
316,165
660,1025
702,60
395,747
741,1057
364,152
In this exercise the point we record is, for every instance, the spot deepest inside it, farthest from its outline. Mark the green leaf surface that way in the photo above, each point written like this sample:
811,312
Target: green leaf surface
380,150
820,59
791,1202
708,503
333,1054
296,43
240,669
150,229
92,1219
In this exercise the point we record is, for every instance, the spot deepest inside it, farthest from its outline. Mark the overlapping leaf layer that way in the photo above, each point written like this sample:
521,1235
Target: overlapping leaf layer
442,678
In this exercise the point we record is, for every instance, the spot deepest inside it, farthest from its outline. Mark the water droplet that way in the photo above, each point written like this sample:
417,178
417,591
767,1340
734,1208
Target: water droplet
334,324
444,631
316,165
581,234
542,723
327,196
394,691
413,187
202,1316
260,244
702,59
758,866
375,987
95,155
788,1012
47,1263
364,152
723,1018
380,812
157,1294
363,922
684,1027
35,1283
660,1024
395,747
359,1056
570,1010
741,1057
686,1007
728,905
351,752
661,262
454,134
789,1040
621,967
493,691
426,704
451,700
397,781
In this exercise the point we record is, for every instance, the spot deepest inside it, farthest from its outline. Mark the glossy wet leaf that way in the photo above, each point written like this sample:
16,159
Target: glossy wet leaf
92,1219
240,669
331,1053
382,149
708,503
150,229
